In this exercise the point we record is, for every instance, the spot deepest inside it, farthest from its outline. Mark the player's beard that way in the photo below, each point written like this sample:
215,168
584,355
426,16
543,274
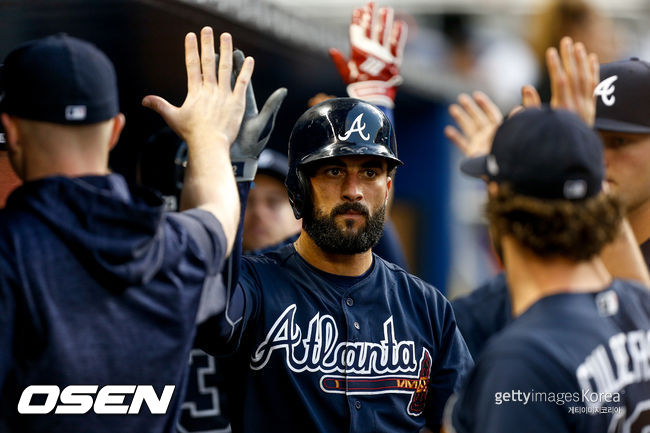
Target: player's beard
330,238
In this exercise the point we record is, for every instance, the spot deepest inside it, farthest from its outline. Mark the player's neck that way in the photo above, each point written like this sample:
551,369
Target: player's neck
350,265
531,277
640,221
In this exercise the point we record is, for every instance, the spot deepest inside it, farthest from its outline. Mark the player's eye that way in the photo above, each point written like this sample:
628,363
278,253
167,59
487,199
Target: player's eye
615,142
334,171
370,173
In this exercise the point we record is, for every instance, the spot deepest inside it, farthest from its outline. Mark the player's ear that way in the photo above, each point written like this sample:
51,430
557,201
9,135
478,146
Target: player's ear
118,124
493,188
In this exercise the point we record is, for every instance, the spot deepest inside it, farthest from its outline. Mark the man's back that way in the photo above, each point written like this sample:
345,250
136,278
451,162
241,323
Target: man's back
99,287
578,361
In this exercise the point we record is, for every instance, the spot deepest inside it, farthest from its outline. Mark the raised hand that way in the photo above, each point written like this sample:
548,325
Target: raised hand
376,49
574,76
212,111
209,121
478,119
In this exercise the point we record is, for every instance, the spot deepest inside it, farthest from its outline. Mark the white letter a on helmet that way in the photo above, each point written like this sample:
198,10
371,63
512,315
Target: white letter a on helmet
357,127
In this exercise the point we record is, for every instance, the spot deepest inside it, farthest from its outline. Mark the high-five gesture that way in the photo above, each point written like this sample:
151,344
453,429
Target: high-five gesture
574,76
478,118
209,121
376,51
212,111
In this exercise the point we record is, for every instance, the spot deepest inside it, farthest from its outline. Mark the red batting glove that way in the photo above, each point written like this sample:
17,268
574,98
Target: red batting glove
377,47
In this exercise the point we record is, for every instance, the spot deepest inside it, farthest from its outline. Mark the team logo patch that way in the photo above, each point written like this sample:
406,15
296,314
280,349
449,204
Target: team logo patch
387,367
75,112
605,90
357,127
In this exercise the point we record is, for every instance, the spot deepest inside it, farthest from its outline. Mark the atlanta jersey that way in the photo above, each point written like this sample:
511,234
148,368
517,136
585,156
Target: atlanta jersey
324,353
572,362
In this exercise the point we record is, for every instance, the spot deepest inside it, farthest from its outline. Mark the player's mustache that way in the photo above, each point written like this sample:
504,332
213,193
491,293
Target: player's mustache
346,207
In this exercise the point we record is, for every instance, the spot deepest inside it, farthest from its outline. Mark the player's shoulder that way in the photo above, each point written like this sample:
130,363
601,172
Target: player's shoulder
633,298
494,290
631,289
397,272
399,277
278,256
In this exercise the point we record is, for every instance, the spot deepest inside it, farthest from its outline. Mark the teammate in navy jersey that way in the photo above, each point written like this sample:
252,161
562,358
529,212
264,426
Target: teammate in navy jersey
98,285
214,387
574,78
334,337
575,359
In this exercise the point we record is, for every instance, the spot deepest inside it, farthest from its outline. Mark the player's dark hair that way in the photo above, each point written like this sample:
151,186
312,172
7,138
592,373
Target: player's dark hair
576,230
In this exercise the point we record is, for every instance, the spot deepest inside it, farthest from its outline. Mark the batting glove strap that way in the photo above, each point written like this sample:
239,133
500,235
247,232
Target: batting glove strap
244,169
376,92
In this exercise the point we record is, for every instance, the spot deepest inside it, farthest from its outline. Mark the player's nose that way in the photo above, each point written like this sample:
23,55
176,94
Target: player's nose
351,189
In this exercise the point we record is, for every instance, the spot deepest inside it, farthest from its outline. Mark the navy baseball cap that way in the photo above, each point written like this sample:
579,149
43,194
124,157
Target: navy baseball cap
623,97
59,79
274,164
544,153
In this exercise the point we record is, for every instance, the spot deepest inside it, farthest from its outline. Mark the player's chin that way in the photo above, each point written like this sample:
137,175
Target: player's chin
352,225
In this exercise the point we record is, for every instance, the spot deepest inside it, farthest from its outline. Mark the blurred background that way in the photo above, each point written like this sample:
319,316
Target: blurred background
453,46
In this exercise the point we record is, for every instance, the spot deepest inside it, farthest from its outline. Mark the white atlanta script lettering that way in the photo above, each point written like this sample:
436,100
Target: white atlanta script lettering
320,351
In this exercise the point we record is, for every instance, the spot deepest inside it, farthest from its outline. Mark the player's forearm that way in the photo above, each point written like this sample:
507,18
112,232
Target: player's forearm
210,184
623,257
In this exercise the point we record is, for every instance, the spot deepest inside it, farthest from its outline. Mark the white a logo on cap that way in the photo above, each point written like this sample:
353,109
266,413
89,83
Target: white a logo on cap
75,112
605,89
357,127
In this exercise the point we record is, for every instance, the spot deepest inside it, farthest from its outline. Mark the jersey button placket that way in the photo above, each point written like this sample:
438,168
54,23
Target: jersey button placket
349,302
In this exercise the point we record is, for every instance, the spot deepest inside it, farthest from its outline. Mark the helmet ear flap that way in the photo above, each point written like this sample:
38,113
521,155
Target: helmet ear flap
300,196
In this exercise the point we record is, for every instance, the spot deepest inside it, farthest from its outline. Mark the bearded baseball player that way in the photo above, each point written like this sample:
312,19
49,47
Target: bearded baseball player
331,336
576,358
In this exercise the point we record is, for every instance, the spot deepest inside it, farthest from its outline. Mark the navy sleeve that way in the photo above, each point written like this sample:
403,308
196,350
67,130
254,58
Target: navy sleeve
220,334
483,313
499,398
7,303
450,367
7,309
206,232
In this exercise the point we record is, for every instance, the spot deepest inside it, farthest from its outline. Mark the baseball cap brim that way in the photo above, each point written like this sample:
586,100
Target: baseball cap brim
475,167
620,126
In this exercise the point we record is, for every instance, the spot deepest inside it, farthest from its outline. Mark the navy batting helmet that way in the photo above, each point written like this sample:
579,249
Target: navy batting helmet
336,127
